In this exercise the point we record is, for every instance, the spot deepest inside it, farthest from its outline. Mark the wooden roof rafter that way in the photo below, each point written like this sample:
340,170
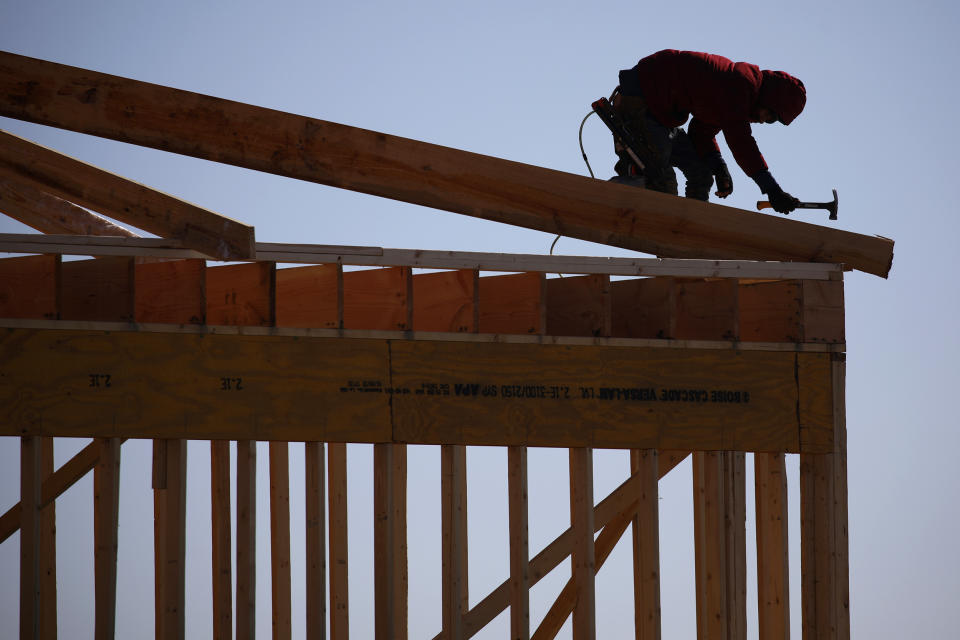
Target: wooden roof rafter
49,214
43,186
417,172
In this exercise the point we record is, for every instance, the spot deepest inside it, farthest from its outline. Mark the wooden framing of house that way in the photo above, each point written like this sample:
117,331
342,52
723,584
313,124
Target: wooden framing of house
731,342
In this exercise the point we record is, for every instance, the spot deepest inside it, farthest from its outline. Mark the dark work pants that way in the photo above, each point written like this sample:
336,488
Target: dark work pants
662,149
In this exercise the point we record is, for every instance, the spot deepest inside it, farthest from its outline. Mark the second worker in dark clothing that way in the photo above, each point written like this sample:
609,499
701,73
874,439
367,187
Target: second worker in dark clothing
663,90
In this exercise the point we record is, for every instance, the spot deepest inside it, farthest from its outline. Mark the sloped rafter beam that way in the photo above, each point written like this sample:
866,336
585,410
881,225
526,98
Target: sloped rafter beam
46,170
50,214
413,171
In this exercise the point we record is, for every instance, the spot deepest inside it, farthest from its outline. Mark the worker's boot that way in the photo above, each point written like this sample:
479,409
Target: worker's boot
633,181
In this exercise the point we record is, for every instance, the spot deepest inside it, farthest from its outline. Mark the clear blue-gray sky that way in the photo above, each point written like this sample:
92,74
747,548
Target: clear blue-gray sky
513,80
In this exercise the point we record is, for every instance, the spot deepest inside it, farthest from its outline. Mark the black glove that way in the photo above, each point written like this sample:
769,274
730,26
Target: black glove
783,202
719,170
780,200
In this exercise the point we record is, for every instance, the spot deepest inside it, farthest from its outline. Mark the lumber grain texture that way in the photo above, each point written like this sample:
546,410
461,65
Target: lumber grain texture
48,549
246,618
53,486
308,296
390,542
446,301
453,491
223,386
518,522
824,538
412,171
97,290
30,287
172,291
169,538
569,596
280,540
106,510
30,491
50,214
338,547
621,500
773,562
242,294
84,184
582,554
316,540
581,396
318,254
646,546
221,542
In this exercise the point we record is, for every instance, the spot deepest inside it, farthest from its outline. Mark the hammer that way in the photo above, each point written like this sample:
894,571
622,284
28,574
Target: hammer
829,206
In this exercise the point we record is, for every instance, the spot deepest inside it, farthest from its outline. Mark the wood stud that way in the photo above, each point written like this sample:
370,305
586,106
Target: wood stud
519,543
316,546
106,511
221,546
773,588
646,546
246,622
582,556
47,627
337,504
390,570
825,598
453,491
169,534
30,483
280,539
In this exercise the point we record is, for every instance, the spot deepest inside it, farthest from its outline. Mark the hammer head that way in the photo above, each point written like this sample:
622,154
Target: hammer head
832,206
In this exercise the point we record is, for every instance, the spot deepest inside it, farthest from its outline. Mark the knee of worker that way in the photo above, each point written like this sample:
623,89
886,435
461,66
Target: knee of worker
699,182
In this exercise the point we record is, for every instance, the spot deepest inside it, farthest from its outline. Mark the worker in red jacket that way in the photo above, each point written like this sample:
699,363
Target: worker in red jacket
658,95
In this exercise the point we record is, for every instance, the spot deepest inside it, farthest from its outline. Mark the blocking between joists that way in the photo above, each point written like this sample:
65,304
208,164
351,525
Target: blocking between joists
393,298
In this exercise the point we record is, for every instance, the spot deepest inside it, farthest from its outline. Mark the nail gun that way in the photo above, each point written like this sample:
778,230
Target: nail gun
618,128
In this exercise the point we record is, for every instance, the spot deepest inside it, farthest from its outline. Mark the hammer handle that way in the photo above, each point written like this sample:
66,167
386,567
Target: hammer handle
764,204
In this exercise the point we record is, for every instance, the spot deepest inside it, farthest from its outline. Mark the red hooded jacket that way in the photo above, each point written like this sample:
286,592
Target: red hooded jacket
720,94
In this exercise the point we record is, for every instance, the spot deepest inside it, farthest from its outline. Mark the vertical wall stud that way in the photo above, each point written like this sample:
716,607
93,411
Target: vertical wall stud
246,539
337,503
582,556
316,547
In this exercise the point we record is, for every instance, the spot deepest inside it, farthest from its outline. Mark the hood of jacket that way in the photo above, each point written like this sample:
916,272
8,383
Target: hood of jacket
782,93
